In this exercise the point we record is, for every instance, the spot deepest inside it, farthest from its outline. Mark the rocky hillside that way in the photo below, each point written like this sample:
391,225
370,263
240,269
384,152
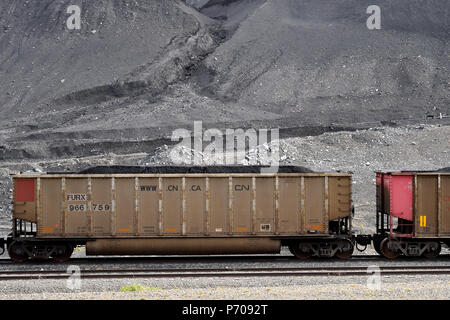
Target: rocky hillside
139,69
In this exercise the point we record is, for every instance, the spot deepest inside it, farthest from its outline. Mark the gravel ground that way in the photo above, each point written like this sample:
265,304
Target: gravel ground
398,287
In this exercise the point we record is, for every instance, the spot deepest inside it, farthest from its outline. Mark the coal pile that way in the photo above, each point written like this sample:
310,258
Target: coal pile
137,70
189,169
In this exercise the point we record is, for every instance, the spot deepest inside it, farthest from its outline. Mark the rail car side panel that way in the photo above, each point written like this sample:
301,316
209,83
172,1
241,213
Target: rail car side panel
265,215
77,216
126,206
195,206
219,206
101,206
51,209
401,196
151,206
315,204
444,215
148,196
25,199
290,206
426,206
339,197
172,198
242,202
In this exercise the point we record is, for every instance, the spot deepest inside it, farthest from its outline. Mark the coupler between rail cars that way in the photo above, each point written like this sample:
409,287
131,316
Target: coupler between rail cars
362,240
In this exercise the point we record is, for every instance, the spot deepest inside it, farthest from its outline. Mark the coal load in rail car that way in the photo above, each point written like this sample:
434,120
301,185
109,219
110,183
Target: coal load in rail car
190,169
179,210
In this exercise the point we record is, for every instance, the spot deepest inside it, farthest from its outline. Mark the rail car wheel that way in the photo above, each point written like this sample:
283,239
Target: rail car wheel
63,253
300,251
377,246
17,252
347,253
388,252
433,253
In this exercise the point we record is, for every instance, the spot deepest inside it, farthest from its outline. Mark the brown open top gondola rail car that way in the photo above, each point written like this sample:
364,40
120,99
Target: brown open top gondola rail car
181,213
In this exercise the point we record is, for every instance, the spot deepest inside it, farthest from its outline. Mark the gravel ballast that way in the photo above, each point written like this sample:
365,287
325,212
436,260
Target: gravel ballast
398,287
240,288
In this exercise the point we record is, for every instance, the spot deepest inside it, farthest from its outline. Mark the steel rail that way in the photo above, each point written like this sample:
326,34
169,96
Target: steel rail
216,259
170,259
224,272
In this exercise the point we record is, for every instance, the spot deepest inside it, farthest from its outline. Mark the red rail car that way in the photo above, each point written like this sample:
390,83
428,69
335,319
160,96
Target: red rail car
413,213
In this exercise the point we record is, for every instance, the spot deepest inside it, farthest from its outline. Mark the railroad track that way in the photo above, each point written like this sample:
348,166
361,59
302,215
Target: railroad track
224,272
216,259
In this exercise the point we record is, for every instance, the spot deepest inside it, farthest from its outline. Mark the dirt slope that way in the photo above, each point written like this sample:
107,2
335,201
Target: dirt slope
41,60
318,62
140,69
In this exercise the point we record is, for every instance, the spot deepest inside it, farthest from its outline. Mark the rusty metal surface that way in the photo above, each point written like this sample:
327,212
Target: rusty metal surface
25,202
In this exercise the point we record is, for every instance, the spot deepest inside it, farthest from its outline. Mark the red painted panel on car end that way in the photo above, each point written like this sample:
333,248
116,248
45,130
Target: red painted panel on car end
25,190
401,196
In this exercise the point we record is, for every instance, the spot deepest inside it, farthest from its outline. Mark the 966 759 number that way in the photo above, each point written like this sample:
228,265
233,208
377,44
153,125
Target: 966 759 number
83,207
